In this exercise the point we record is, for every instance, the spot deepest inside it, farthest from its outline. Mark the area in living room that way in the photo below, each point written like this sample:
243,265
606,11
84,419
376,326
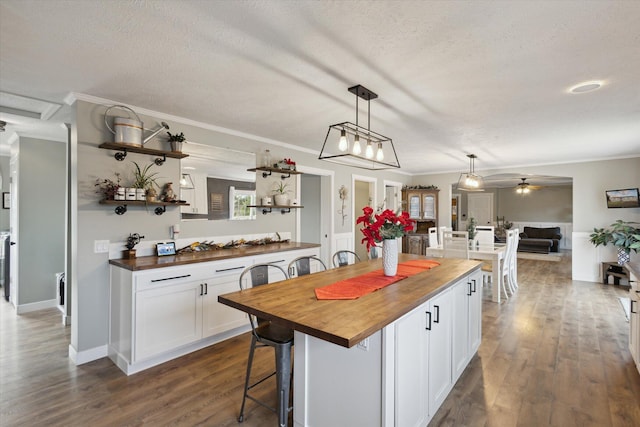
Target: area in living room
540,206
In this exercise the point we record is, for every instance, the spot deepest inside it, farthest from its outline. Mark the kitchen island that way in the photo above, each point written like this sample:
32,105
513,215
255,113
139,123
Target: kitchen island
388,358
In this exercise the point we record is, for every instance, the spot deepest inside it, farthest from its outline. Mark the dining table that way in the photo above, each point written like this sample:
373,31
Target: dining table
494,252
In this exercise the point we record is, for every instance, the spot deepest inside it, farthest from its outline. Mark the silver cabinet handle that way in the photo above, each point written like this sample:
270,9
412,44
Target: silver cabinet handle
171,278
230,269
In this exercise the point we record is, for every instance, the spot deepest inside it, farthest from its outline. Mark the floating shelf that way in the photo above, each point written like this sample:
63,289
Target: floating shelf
121,205
268,208
123,149
268,171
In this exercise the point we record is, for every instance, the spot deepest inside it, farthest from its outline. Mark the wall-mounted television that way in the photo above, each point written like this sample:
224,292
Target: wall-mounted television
627,198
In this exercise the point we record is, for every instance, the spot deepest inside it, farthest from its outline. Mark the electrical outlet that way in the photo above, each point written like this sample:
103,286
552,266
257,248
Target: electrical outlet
100,246
364,344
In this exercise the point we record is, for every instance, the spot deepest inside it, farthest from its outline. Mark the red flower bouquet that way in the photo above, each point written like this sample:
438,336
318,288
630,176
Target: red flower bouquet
387,225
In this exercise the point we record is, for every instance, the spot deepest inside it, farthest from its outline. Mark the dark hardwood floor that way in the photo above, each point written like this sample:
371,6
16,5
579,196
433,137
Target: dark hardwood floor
555,354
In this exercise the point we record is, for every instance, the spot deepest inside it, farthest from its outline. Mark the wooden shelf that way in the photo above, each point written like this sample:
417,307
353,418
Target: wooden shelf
268,171
269,208
121,205
123,149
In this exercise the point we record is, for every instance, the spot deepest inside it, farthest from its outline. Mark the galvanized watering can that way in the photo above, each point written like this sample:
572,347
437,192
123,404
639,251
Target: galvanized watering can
129,131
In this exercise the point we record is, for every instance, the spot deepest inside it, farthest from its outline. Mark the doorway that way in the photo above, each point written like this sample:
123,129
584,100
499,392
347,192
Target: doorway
364,194
314,223
480,207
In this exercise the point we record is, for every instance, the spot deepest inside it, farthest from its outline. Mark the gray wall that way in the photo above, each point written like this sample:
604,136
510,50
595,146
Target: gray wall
41,189
547,204
89,277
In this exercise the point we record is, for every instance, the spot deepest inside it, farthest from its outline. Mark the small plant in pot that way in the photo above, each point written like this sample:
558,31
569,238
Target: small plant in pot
132,241
107,187
281,194
144,179
624,235
176,141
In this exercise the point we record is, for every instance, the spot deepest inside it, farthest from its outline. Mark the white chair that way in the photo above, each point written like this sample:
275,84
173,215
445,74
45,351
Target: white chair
513,265
485,234
433,237
455,244
441,231
508,284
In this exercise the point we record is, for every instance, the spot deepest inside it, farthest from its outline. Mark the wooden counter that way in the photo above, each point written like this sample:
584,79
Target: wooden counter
150,262
346,322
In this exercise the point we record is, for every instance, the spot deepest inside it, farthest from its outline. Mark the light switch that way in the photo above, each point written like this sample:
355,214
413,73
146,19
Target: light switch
100,246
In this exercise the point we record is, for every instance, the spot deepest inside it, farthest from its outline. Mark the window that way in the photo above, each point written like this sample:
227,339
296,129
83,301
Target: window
239,202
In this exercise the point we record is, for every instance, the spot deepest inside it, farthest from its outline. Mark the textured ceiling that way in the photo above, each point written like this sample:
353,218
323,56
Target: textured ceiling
453,78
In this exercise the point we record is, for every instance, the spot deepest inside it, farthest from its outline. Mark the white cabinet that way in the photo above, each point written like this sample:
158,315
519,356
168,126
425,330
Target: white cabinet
440,335
467,321
634,319
411,371
159,314
196,197
433,345
167,317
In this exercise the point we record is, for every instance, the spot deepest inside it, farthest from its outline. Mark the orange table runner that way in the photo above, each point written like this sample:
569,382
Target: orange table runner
356,287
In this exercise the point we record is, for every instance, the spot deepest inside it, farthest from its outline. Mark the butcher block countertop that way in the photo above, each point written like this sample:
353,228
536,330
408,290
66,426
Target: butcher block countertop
346,322
150,262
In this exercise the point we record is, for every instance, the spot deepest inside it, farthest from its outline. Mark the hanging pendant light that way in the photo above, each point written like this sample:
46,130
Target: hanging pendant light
470,181
336,148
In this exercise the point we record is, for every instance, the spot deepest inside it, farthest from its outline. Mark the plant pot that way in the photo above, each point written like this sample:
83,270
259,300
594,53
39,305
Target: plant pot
176,146
141,194
390,257
281,200
623,256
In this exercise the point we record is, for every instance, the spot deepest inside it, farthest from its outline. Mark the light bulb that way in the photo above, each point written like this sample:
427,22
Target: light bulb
343,145
368,152
356,146
183,180
380,154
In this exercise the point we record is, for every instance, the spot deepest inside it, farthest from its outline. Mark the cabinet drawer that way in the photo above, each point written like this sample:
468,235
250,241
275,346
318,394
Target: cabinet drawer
228,268
170,276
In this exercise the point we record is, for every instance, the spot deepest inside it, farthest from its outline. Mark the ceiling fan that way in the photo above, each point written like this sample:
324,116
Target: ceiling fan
524,187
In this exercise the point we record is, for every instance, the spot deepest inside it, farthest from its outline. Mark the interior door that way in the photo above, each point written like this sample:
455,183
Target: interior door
13,229
480,207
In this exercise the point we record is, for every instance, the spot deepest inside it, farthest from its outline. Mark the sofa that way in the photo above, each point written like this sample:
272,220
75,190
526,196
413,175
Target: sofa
540,240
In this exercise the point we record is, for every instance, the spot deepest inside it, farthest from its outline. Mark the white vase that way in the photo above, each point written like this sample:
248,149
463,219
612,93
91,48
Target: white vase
390,257
281,200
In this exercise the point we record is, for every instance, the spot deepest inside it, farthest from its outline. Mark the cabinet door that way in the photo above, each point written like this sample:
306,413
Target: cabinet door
460,326
429,207
475,313
439,364
200,194
414,245
634,327
188,195
218,318
167,317
414,205
411,348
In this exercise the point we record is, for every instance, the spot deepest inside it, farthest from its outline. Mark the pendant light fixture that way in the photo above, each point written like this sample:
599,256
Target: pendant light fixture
369,149
470,181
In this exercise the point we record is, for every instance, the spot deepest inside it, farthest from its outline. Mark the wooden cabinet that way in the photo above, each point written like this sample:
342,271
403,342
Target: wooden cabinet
439,331
422,206
634,318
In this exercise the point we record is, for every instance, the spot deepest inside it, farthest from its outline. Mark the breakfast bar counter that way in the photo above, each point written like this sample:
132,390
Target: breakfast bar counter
387,358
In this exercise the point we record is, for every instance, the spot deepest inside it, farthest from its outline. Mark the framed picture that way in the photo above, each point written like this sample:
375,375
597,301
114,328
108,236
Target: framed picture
6,200
163,249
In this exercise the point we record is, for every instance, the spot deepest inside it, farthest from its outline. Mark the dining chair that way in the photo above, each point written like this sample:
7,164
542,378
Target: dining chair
513,265
433,237
485,234
441,231
304,265
264,334
455,244
507,285
374,252
344,257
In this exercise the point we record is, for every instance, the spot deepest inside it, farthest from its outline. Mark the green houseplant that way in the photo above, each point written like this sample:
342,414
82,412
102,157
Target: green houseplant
176,141
624,235
281,194
144,179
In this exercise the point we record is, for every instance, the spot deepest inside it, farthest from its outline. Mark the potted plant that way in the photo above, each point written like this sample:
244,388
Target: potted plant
281,194
107,187
144,180
624,235
132,241
176,141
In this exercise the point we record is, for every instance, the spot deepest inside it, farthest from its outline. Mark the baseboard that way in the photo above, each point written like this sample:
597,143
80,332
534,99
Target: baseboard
86,356
35,306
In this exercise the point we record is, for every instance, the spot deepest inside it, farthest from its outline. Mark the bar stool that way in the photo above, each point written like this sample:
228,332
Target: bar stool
264,333
301,266
341,258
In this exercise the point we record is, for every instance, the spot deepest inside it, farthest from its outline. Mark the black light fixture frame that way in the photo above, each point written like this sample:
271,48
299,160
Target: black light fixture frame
360,161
